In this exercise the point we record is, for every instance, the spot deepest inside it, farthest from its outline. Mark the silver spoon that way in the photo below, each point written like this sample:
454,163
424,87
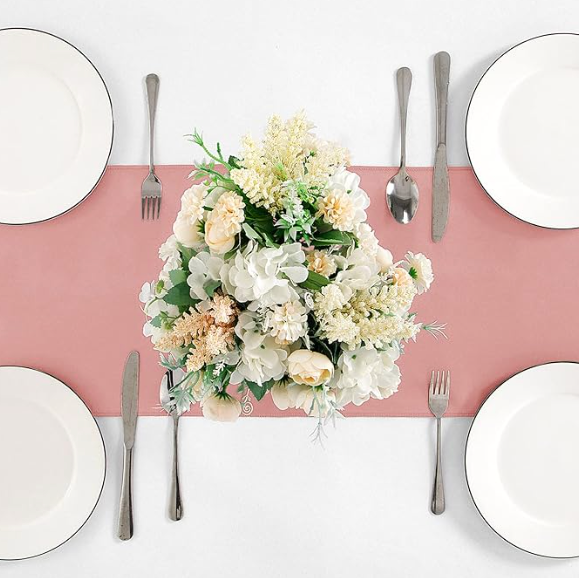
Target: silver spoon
401,190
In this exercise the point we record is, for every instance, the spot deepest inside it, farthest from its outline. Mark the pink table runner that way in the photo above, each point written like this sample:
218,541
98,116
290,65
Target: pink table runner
507,291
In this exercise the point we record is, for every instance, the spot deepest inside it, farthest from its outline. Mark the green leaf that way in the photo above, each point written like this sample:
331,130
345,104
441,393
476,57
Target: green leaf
211,286
259,390
332,237
314,281
186,254
156,321
252,233
179,295
177,276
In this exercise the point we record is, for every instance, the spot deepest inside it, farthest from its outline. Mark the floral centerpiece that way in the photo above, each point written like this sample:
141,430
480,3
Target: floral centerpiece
273,282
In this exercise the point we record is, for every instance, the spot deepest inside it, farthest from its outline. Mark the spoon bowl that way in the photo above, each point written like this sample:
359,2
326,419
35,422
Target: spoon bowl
402,196
401,190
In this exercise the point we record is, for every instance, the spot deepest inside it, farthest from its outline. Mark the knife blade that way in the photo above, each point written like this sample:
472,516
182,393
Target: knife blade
130,399
129,412
440,181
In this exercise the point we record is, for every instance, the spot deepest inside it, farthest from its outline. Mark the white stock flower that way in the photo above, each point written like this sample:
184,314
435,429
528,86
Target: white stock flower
204,268
169,253
261,358
287,322
420,269
265,275
367,240
366,373
343,204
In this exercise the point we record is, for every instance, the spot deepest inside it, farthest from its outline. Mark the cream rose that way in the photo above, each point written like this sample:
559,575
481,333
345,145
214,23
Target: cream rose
309,368
384,259
222,408
218,239
187,233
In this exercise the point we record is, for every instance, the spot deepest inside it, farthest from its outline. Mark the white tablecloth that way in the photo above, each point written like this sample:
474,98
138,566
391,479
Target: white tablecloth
260,499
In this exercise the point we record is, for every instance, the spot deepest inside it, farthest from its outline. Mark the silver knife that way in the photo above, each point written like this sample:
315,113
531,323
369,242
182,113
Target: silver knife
440,182
129,411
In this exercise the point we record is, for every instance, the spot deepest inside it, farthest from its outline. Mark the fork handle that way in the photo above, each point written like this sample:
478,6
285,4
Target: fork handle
437,505
152,83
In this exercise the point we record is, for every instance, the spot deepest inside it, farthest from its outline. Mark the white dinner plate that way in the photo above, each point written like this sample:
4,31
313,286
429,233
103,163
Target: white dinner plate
56,126
521,131
522,460
53,463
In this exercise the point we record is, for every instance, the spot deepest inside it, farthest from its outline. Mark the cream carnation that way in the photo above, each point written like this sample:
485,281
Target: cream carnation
321,262
192,202
287,322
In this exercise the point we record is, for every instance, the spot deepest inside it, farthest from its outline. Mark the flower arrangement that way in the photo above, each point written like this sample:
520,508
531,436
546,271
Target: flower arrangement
274,282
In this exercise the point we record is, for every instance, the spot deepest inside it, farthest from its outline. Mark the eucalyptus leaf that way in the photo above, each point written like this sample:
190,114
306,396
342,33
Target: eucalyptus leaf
314,281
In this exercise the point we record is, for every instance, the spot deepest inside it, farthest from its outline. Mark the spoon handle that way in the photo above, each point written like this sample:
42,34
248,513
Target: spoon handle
404,82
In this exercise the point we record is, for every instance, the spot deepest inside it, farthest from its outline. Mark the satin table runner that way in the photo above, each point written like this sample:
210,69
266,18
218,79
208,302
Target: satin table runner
508,292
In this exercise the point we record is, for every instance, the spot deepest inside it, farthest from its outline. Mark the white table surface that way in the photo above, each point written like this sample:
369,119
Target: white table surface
260,499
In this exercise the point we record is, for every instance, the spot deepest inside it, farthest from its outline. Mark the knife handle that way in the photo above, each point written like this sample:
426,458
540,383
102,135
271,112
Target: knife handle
175,504
441,80
125,529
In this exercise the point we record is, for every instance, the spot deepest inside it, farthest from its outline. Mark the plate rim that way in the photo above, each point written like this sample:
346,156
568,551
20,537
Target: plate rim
493,391
106,164
104,456
554,228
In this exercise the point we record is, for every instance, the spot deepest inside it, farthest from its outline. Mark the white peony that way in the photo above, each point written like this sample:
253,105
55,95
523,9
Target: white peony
366,373
360,270
344,204
261,357
205,268
420,269
265,274
313,401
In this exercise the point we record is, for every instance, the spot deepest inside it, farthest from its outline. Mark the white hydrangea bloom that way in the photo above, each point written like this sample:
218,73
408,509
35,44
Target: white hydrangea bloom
366,373
360,270
266,275
204,268
261,357
169,253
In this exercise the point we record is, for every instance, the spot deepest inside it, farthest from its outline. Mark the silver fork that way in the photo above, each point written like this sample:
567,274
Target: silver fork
438,395
151,190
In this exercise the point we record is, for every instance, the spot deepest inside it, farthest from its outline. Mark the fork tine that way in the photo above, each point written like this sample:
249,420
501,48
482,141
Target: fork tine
431,389
153,207
148,206
447,389
142,208
158,206
437,390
